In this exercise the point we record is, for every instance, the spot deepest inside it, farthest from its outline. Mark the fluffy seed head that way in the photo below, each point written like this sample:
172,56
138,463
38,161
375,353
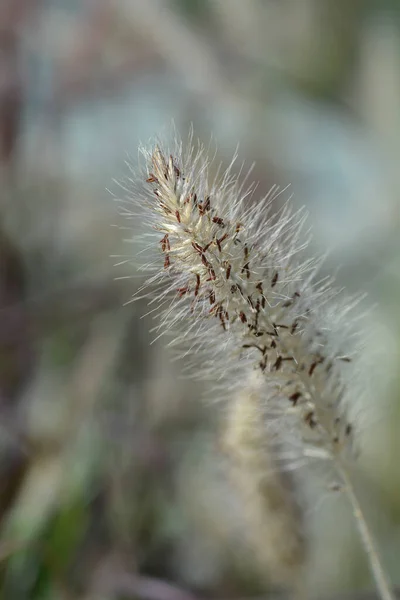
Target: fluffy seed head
229,281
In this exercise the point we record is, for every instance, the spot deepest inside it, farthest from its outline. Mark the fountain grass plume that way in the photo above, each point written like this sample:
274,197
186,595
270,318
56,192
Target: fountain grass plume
228,281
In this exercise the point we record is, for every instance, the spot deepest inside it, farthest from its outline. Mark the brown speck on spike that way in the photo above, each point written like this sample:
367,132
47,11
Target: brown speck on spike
165,243
220,240
206,247
348,430
246,269
250,301
273,333
182,291
294,327
273,344
246,251
274,279
167,262
197,247
295,397
196,291
310,420
345,359
152,179
312,368
212,297
205,261
178,216
218,221
278,363
211,273
205,206
228,271
243,317
262,349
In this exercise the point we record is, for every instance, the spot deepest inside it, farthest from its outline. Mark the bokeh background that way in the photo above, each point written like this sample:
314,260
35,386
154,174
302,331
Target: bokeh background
111,483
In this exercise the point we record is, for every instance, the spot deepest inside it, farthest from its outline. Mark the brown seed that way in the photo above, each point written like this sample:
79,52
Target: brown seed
294,398
204,260
310,420
197,247
152,179
196,291
211,272
218,221
182,291
274,279
238,227
246,268
220,240
312,368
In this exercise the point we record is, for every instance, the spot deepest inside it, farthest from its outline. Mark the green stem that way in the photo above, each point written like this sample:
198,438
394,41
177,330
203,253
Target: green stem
377,570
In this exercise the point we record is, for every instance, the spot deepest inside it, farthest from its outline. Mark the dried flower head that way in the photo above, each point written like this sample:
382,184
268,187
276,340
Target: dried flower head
232,272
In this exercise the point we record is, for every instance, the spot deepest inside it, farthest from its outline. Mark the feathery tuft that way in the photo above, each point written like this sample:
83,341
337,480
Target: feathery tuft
232,272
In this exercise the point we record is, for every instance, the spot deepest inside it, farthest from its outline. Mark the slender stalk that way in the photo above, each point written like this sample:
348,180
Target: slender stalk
380,577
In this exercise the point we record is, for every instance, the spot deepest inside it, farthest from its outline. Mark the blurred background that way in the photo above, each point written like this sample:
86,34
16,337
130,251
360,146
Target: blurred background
111,483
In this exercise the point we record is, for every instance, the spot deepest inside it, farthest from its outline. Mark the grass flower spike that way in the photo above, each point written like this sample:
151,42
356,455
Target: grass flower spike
232,272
